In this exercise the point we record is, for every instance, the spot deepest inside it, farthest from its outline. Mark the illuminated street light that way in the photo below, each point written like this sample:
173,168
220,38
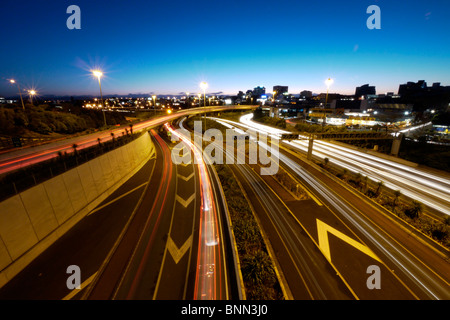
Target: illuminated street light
328,82
20,93
154,103
31,93
204,85
99,74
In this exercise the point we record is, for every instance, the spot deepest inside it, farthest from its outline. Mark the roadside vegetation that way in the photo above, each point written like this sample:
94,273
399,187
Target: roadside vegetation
260,280
48,120
259,116
258,273
410,211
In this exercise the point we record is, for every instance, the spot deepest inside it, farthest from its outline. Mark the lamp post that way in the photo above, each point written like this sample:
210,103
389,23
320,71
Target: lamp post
31,93
154,103
99,74
204,85
20,93
328,82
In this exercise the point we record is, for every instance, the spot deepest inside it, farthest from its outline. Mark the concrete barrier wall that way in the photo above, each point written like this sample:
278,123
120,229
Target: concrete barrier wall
34,219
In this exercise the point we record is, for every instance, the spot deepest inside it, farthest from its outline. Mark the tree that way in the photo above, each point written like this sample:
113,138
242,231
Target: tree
345,174
358,180
397,194
366,180
415,210
325,162
258,114
379,185
447,221
75,146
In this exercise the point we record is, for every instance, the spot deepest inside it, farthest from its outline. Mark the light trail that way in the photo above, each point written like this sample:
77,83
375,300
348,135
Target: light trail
403,260
208,277
430,189
20,158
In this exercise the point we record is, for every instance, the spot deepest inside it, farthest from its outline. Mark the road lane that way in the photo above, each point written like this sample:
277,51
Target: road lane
425,282
432,189
307,272
86,245
211,277
20,158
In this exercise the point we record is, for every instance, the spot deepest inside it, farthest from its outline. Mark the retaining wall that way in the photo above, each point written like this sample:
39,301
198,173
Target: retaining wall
34,219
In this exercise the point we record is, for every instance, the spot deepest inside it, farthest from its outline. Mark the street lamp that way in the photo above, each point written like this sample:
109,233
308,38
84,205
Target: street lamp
20,93
204,85
99,74
154,103
328,82
31,93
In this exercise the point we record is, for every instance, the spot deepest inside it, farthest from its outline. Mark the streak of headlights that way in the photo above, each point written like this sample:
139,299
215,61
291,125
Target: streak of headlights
416,184
378,240
207,275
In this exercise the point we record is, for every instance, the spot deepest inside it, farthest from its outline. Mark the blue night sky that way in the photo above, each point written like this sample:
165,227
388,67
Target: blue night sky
168,47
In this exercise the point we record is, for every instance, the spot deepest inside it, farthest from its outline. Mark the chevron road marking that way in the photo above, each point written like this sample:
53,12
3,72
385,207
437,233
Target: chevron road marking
178,253
323,229
183,202
186,178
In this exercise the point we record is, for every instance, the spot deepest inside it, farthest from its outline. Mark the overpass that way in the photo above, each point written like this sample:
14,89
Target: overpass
344,136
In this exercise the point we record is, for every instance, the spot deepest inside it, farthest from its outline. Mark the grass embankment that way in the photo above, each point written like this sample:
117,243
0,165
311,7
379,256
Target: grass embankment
46,121
257,267
260,280
410,211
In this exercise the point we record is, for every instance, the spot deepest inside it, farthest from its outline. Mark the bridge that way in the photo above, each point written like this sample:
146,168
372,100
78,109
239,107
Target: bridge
344,136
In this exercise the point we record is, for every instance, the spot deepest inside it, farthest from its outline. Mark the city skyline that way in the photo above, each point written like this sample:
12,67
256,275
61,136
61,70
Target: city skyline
167,50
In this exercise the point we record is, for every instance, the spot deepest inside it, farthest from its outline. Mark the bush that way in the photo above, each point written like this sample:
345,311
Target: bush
14,120
259,276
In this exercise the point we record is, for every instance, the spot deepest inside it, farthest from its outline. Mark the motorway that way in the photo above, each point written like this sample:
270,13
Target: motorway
20,158
428,186
162,235
151,239
363,235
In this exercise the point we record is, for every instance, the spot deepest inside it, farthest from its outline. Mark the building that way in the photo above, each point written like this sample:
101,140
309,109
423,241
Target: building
259,91
424,97
412,88
306,94
280,90
364,90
